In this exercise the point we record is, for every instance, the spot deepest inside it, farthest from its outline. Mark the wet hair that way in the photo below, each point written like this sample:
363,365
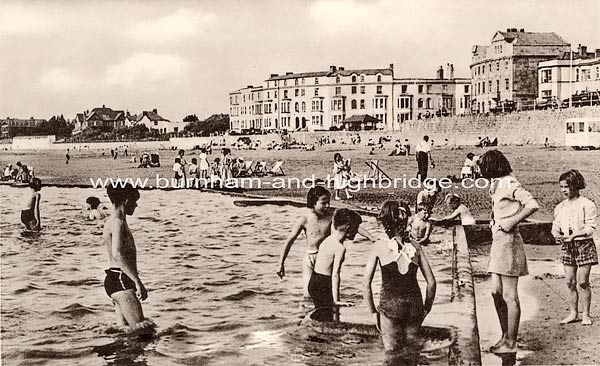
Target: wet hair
36,184
194,161
313,195
94,202
422,207
452,198
119,194
574,179
425,138
470,156
337,156
493,164
181,152
177,160
344,216
393,216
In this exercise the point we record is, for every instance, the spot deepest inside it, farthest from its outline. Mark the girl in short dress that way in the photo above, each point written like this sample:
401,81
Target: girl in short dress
573,227
511,204
204,166
341,175
401,309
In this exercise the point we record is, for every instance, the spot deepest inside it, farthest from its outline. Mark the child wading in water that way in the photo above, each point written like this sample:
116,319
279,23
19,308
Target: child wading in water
401,308
419,225
573,227
30,214
316,224
94,211
511,204
324,285
122,283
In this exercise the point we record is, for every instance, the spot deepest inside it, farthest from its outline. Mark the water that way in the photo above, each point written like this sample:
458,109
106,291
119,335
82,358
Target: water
210,268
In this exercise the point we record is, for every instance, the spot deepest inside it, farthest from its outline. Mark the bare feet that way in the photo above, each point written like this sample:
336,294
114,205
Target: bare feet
572,318
337,198
586,320
498,344
504,348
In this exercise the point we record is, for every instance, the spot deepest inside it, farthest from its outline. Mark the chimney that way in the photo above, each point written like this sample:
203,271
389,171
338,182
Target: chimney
583,51
289,73
597,52
522,30
513,30
155,110
451,75
103,106
332,69
507,30
341,68
440,73
274,75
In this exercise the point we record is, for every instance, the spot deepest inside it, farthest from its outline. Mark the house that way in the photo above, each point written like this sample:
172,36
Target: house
10,124
104,117
153,121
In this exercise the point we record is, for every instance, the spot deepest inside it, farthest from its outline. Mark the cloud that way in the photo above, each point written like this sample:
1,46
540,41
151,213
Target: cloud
18,19
61,80
344,15
178,25
147,68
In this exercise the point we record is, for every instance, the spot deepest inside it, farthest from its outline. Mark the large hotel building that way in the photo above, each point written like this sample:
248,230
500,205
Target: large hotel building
322,100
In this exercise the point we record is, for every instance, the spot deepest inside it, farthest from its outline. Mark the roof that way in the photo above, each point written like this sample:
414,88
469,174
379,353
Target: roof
329,73
152,116
79,117
105,114
533,38
361,118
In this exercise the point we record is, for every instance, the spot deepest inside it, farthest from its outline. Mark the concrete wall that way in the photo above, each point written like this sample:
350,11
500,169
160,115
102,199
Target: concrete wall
142,145
190,142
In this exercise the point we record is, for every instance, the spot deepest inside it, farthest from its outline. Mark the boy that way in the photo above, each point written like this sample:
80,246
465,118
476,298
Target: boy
459,210
93,210
122,283
30,215
324,285
316,224
420,226
429,195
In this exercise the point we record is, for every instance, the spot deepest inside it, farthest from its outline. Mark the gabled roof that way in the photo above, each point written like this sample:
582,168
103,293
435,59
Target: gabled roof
532,38
79,117
361,118
328,73
152,116
105,114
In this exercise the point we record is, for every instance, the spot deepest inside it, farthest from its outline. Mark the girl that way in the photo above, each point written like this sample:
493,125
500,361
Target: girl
204,166
30,215
225,168
511,204
341,174
401,308
573,227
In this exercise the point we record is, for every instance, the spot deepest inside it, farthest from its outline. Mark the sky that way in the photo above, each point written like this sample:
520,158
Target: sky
184,57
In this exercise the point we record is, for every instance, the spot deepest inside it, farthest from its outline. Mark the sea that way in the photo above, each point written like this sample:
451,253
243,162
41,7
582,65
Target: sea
210,269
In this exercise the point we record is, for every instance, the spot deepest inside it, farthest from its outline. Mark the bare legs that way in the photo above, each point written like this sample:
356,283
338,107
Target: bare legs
578,284
506,300
129,313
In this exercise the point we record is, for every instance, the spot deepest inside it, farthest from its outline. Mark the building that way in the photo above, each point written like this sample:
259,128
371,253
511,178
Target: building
506,70
570,74
103,117
154,122
9,125
314,101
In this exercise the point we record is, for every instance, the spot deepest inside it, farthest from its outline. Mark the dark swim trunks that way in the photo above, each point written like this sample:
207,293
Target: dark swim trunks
27,216
116,280
320,290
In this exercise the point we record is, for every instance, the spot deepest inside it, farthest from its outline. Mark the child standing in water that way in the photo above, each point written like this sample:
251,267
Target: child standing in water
420,226
573,227
122,283
511,204
324,285
30,214
401,308
94,210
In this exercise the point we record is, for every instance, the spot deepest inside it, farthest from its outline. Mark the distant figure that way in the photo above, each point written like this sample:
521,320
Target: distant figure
546,142
30,214
193,172
112,153
125,152
94,210
178,169
68,157
419,225
341,175
324,284
459,211
184,164
203,166
423,151
401,309
573,227
122,283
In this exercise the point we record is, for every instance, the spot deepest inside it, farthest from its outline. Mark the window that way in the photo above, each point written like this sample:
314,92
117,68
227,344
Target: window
338,90
445,88
303,107
597,72
420,89
429,103
284,82
489,86
353,104
354,78
547,94
297,107
506,84
285,94
297,92
379,89
275,94
268,95
362,89
302,92
546,76
316,81
506,64
483,87
362,104
404,89
296,82
404,103
362,78
581,126
337,79
466,89
302,81
316,92
420,103
428,89
577,75
353,89
497,86
497,65
379,78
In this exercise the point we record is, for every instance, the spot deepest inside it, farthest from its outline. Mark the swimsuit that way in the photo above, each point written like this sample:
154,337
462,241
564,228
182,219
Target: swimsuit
400,294
116,280
27,216
320,290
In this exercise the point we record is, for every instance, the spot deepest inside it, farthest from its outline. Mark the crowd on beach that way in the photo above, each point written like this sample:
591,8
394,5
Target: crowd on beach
398,253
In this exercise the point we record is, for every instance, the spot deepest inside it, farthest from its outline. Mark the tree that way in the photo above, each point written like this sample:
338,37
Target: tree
217,123
190,118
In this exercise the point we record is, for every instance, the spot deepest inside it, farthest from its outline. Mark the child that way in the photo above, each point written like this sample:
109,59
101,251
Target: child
420,226
429,195
193,169
341,174
573,227
324,285
178,169
511,204
316,224
94,208
30,215
401,308
204,166
122,283
225,167
459,210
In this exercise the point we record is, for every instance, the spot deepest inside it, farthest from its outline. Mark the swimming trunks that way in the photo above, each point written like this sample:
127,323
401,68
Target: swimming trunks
579,253
320,290
116,280
400,294
27,216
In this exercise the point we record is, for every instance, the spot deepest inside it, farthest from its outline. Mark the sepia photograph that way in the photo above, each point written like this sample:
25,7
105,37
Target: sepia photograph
299,182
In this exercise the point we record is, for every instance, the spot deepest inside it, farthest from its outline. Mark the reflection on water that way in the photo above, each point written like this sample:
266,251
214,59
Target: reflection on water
210,270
